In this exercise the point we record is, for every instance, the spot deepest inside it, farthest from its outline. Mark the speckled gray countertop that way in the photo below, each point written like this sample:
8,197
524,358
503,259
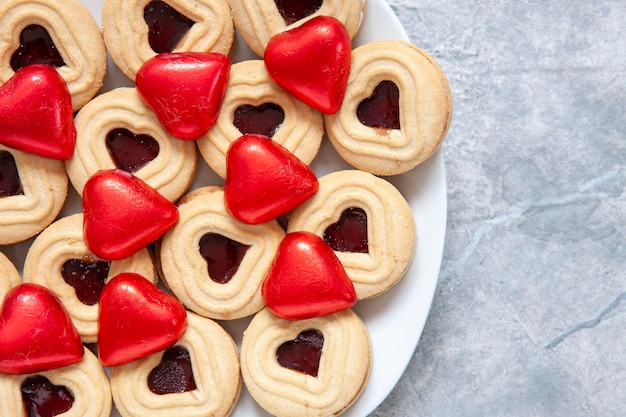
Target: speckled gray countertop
529,317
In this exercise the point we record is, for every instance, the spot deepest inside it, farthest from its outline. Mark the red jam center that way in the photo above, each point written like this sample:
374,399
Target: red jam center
223,256
166,26
42,399
294,10
261,120
36,47
10,183
303,353
173,374
381,109
349,234
130,152
87,277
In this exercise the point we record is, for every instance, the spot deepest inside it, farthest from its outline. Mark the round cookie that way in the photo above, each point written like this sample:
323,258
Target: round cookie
258,20
345,360
33,197
214,363
86,381
9,276
206,25
417,125
252,95
375,243
60,247
72,34
117,130
227,285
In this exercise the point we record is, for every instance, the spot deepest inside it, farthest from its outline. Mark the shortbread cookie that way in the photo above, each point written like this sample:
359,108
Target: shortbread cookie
62,34
199,376
258,20
136,30
396,110
315,367
32,192
117,130
214,264
9,276
82,389
59,260
254,104
367,222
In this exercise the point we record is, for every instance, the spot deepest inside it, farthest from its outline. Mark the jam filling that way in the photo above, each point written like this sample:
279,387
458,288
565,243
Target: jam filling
36,47
43,399
10,183
173,374
381,109
130,152
223,256
303,353
349,234
166,26
260,120
87,277
294,10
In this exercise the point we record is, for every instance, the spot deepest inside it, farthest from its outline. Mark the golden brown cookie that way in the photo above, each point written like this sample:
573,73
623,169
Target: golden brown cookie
258,20
396,110
285,385
255,104
59,260
33,196
74,43
136,30
367,222
206,361
9,276
117,130
85,381
214,264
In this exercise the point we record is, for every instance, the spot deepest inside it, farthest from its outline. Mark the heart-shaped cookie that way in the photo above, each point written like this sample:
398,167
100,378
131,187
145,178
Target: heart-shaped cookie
36,113
312,62
136,319
123,214
306,279
36,332
264,180
185,90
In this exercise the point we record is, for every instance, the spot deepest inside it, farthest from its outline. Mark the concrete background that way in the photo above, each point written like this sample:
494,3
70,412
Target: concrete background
529,317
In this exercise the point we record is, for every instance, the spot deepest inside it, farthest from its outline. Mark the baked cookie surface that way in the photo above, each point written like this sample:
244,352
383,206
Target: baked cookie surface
9,276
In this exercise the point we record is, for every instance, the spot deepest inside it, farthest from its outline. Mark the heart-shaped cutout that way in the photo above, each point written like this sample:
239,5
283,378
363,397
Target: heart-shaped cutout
223,256
36,47
136,319
381,109
259,120
312,62
42,398
349,233
292,10
10,183
166,26
87,277
264,180
36,113
36,332
123,214
306,279
130,151
303,353
185,90
173,374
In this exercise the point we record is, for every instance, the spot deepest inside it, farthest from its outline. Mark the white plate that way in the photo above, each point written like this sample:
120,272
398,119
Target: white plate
395,319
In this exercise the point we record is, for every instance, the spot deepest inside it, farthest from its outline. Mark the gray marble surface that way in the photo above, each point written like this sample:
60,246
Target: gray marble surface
529,317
